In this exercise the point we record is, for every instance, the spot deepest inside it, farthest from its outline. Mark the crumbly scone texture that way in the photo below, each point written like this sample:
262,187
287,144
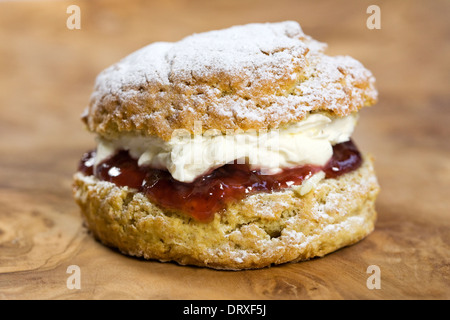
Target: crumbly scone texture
262,230
254,76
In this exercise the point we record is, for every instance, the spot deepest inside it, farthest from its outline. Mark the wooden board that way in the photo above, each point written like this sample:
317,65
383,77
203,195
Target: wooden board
47,74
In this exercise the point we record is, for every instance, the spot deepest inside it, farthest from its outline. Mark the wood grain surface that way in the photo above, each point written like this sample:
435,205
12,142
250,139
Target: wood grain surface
46,76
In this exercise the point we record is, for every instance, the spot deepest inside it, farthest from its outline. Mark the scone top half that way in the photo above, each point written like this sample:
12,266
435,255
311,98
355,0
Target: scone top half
256,76
266,93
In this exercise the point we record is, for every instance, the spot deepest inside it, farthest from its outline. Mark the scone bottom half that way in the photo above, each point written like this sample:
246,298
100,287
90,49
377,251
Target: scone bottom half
230,215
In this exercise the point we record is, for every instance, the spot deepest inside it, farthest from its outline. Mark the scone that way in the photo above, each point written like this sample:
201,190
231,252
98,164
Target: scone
229,149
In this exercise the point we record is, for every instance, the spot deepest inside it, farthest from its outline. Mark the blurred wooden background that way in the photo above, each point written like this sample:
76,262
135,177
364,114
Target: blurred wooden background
46,76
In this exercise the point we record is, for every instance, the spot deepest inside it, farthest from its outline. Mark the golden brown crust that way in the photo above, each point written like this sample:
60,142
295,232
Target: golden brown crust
259,231
257,76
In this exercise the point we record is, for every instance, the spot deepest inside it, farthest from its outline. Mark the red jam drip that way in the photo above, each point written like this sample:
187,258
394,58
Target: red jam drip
212,192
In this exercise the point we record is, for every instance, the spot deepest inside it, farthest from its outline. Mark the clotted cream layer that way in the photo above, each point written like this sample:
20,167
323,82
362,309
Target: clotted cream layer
187,157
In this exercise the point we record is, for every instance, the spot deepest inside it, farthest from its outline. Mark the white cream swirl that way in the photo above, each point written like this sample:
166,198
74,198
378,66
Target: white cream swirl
188,156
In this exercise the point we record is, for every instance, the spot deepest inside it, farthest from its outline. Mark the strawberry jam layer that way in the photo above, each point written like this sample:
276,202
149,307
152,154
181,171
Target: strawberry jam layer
210,193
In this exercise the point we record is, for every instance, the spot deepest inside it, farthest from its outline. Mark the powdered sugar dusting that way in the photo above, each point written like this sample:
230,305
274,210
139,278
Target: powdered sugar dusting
253,50
145,66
